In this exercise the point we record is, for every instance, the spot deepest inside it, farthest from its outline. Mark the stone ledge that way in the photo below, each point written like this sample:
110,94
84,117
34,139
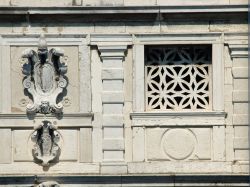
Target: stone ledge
69,120
121,9
147,180
178,118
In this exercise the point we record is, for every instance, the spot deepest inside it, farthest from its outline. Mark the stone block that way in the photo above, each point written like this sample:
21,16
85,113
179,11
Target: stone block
5,3
196,167
112,108
113,132
138,140
227,58
229,111
110,27
241,131
241,108
240,62
239,2
240,96
112,97
240,84
143,27
96,81
22,145
241,143
85,145
112,73
111,85
110,63
113,121
114,168
113,144
69,149
41,3
191,2
185,26
219,143
240,72
5,146
228,76
228,26
113,156
240,119
139,2
241,154
228,94
241,168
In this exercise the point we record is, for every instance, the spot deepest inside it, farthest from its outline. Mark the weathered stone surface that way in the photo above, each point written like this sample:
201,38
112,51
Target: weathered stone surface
70,145
40,3
227,26
22,145
179,167
192,2
184,26
139,2
5,146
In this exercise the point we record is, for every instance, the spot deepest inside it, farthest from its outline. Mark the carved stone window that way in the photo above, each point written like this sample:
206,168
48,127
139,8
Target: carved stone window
178,77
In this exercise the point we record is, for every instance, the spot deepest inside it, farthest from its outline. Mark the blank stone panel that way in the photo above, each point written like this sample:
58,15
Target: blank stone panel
69,148
22,145
5,146
178,144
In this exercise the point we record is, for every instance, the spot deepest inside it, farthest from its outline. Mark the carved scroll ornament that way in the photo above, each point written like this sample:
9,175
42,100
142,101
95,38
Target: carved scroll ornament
49,184
44,78
46,138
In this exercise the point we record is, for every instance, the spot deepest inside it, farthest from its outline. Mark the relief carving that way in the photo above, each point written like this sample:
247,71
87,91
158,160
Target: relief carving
49,184
46,138
44,78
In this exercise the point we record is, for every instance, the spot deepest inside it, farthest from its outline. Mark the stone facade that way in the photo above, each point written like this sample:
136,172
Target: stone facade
102,129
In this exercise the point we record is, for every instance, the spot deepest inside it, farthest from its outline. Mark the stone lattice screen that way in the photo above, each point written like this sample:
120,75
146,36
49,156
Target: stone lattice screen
178,77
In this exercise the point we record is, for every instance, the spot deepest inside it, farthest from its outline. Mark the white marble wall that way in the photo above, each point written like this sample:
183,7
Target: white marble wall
105,129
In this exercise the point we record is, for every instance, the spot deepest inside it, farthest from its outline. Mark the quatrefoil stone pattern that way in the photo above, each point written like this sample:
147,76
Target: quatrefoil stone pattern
178,77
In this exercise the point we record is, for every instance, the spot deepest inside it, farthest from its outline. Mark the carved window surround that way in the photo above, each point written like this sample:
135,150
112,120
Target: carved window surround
214,39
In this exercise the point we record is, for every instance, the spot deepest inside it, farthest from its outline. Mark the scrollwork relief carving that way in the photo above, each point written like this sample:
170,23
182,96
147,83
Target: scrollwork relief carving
46,138
48,184
44,78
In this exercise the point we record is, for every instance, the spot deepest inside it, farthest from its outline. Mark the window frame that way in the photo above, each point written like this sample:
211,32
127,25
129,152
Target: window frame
214,39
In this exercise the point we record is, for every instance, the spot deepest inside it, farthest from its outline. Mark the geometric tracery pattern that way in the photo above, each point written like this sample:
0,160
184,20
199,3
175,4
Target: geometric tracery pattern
178,77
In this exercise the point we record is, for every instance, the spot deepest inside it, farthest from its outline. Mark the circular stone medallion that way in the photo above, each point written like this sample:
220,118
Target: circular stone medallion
178,144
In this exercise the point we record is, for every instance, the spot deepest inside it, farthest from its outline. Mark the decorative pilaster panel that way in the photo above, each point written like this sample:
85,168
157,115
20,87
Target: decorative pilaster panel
238,50
113,101
112,51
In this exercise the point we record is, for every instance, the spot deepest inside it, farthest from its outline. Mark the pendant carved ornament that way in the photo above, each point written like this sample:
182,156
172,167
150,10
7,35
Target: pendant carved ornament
45,138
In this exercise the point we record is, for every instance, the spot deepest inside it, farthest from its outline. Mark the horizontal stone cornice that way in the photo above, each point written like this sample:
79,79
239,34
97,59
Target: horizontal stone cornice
121,9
